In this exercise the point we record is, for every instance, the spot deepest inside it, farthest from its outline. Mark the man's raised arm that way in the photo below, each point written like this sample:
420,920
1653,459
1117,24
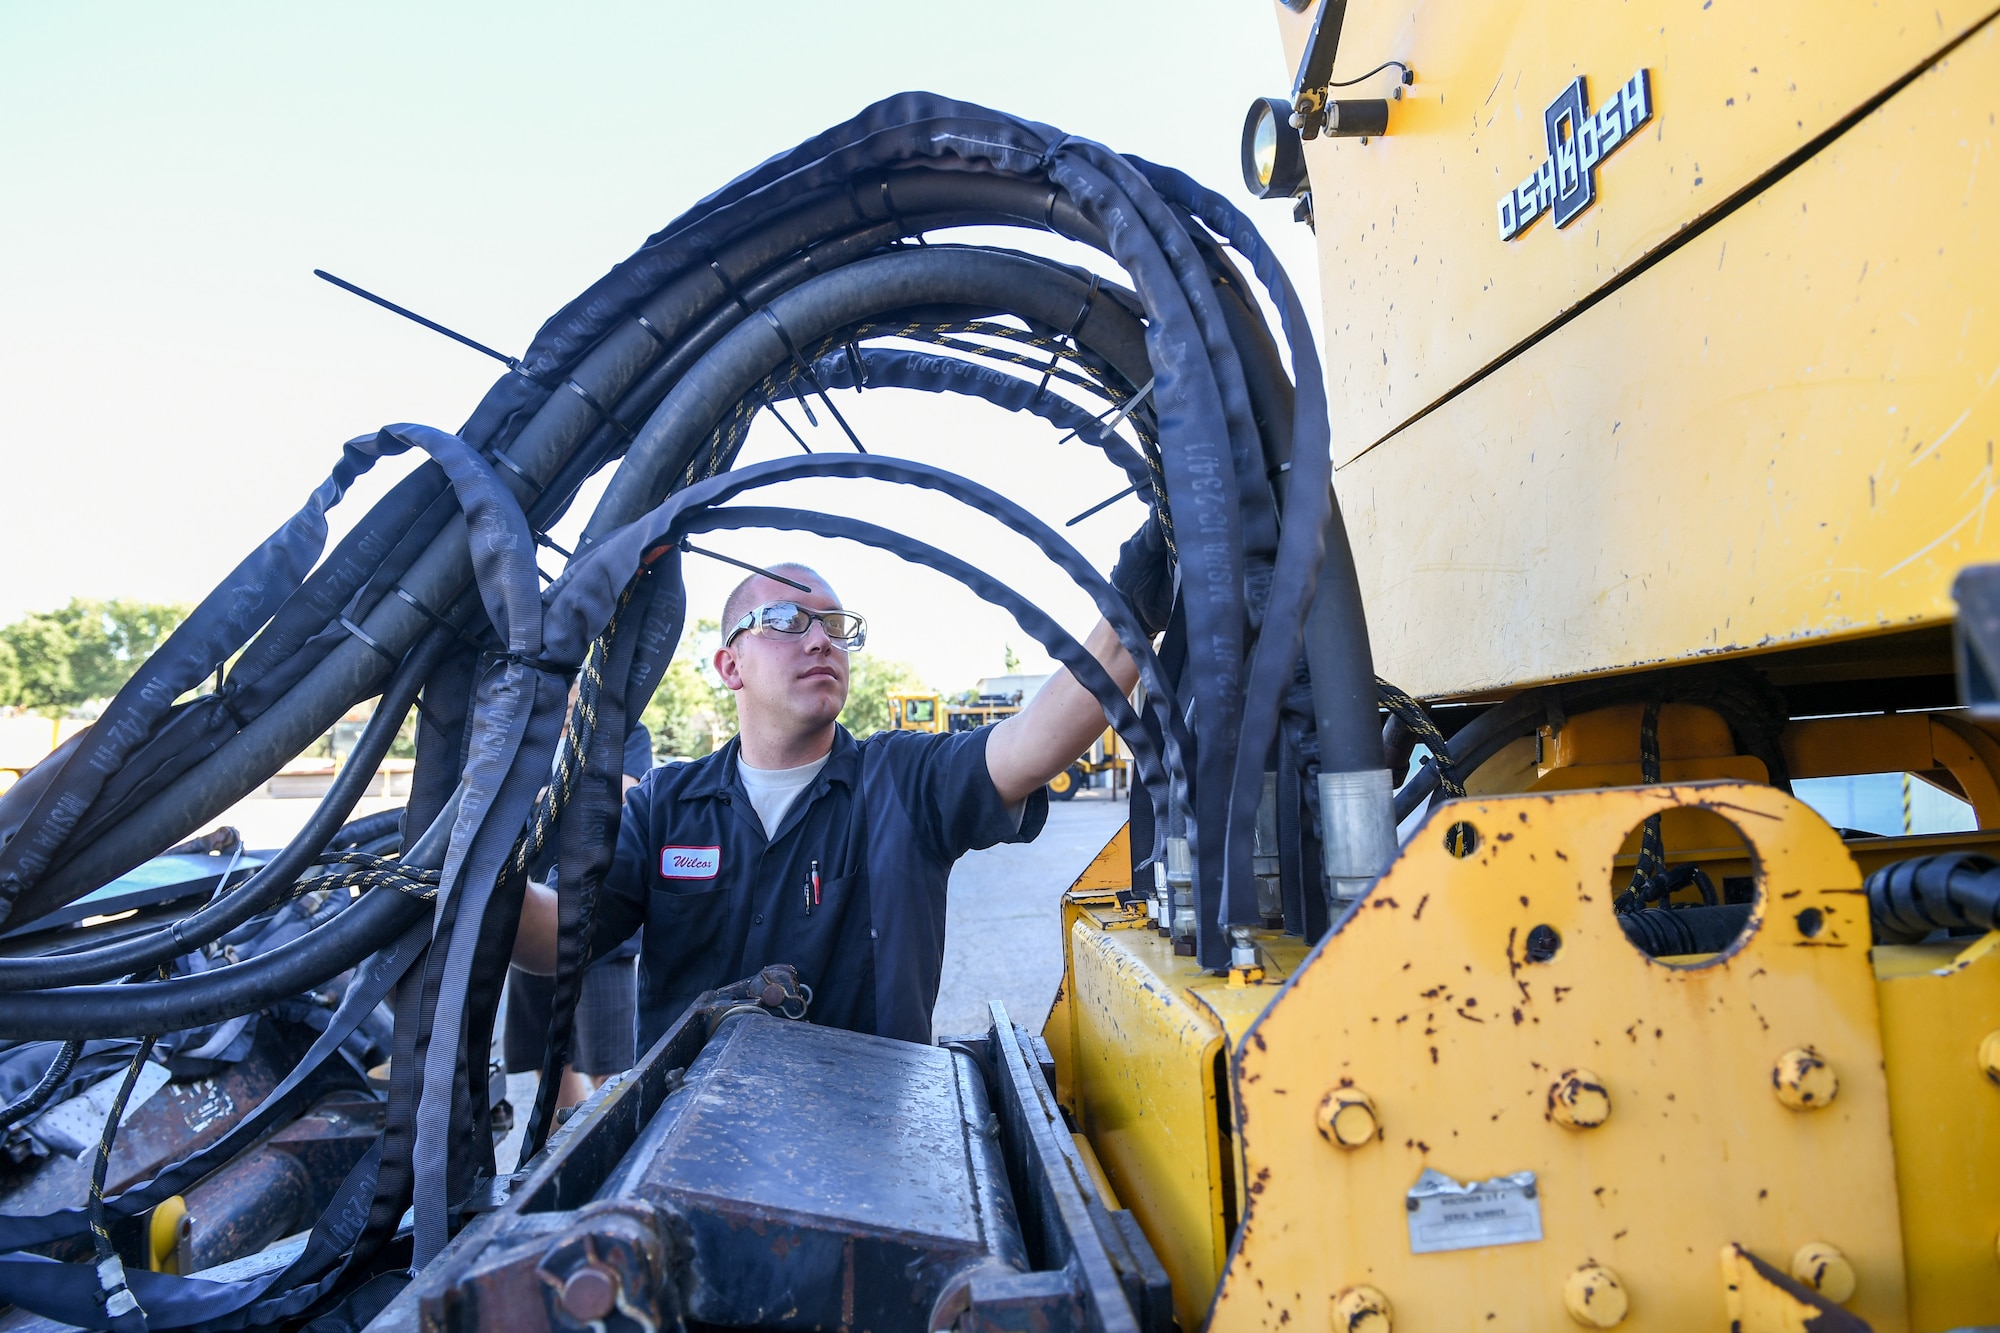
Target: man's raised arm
1061,721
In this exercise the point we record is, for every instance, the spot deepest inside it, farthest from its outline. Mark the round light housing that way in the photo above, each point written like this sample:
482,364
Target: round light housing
1274,161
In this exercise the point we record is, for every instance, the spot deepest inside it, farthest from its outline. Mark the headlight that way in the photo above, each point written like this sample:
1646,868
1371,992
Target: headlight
1274,162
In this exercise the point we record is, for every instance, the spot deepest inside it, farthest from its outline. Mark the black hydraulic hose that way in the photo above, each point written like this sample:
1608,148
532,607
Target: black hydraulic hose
1667,932
88,1013
681,425
1153,770
274,880
369,828
35,1098
71,1013
439,575
1951,891
1476,742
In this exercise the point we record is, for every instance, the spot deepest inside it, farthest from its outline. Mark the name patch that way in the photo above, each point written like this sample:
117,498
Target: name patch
690,862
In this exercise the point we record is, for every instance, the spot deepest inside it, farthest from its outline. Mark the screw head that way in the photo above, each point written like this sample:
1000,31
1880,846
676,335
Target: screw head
1578,1100
1803,1079
1347,1119
1595,1297
1825,1269
1362,1310
589,1294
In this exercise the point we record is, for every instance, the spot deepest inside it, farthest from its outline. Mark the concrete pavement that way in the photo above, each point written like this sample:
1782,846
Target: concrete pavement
1003,930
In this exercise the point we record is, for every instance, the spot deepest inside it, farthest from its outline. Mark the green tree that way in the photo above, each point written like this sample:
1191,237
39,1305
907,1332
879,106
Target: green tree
869,682
692,712
111,639
86,650
42,650
1008,657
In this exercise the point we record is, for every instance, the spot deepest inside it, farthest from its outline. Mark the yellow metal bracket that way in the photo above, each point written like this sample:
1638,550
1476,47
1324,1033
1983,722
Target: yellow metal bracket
1664,1111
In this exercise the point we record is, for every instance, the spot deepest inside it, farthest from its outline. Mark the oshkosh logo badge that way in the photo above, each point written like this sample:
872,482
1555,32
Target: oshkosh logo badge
1578,139
690,862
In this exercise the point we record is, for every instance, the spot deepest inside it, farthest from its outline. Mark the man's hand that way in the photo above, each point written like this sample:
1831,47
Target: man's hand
1144,576
535,941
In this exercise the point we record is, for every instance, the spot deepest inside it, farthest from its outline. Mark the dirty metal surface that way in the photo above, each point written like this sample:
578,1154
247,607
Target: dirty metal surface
1418,285
824,1178
1425,1001
1826,435
1940,1003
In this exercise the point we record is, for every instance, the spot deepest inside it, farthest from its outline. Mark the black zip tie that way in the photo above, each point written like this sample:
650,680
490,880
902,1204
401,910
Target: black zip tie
370,641
511,363
543,539
1117,418
1075,326
1102,505
730,287
598,408
1049,208
500,457
812,379
437,619
773,408
902,227
854,366
689,546
653,332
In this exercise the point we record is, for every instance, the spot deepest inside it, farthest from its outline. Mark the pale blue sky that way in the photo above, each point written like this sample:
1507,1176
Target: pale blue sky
173,380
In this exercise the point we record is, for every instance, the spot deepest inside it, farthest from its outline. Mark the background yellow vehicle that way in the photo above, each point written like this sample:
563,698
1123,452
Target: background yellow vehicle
930,712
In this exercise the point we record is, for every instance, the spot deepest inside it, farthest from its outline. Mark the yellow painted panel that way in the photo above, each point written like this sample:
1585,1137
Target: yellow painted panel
1781,432
1145,1092
1427,1002
1420,292
1938,1004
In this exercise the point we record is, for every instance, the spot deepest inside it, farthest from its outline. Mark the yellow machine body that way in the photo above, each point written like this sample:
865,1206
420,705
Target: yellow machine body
1741,405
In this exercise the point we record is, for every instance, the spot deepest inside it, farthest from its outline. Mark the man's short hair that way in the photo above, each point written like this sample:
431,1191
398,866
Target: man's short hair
742,599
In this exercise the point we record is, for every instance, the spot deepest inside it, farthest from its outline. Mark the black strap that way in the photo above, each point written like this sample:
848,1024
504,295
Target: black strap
370,641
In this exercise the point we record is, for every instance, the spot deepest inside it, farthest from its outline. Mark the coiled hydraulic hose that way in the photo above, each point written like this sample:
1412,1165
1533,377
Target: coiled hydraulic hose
272,882
657,369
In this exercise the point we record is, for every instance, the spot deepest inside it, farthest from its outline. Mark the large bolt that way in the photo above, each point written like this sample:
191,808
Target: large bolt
1578,1100
1989,1056
1347,1118
1361,1310
1804,1080
1824,1269
589,1294
1595,1297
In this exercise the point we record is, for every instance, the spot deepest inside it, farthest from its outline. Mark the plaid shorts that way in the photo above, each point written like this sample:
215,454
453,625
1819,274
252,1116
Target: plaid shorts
606,1036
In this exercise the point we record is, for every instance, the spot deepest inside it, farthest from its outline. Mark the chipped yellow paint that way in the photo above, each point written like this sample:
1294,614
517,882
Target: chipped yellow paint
1425,999
1420,291
1938,1004
1108,872
1778,433
1136,1033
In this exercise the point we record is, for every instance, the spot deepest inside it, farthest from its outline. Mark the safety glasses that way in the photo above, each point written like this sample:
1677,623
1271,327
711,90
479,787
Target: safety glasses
847,630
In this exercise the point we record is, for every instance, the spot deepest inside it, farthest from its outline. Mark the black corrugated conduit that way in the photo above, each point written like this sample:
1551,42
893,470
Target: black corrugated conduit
657,371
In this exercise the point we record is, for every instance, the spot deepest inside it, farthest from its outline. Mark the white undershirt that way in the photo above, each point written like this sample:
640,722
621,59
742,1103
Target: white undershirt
772,790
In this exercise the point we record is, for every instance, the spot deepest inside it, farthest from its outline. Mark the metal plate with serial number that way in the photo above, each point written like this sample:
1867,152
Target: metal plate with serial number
1448,1215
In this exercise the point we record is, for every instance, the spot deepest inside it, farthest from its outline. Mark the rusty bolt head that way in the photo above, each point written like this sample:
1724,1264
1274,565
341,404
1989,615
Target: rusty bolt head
589,1294
1595,1297
1578,1100
1824,1269
1361,1310
1804,1080
1347,1118
1989,1056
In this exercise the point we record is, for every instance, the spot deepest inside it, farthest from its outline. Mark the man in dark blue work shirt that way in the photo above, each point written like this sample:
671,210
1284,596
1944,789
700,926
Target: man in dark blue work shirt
796,843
